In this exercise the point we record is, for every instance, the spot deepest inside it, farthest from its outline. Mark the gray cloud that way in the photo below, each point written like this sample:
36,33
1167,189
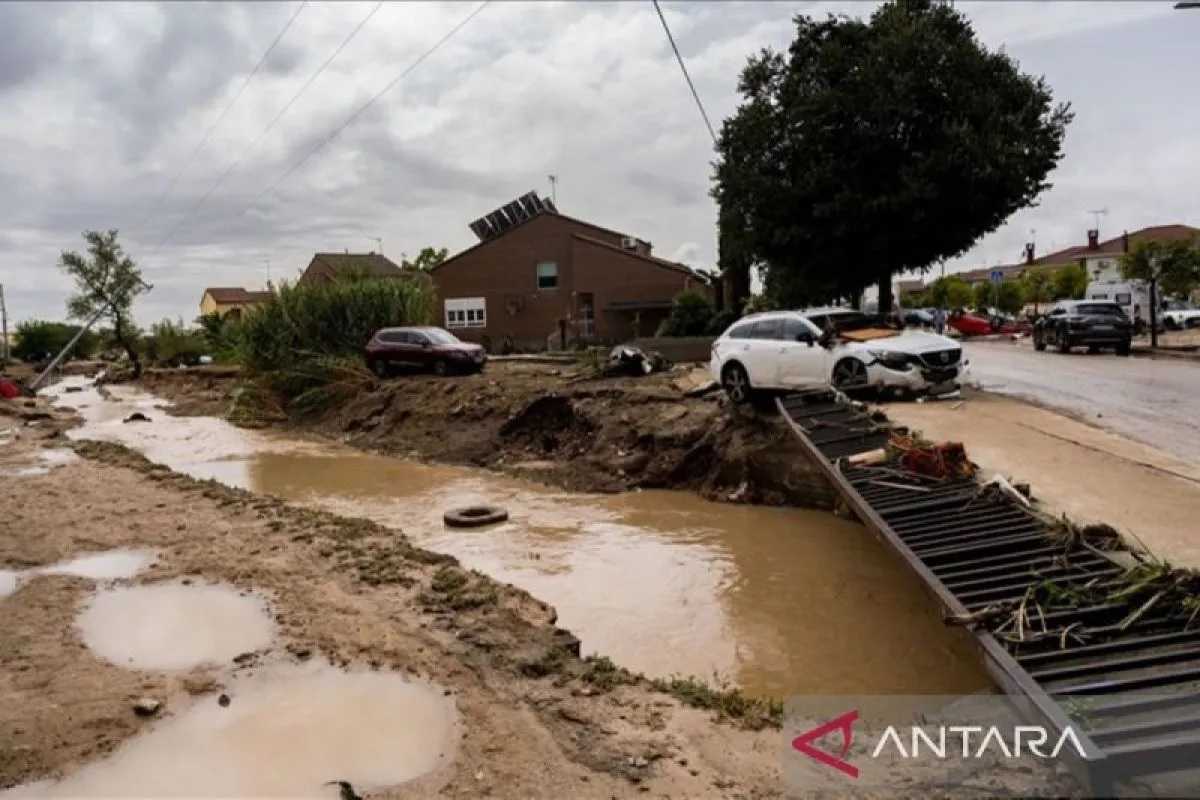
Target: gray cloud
104,103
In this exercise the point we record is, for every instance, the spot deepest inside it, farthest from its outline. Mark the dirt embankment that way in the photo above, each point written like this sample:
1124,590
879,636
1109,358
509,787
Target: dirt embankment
544,422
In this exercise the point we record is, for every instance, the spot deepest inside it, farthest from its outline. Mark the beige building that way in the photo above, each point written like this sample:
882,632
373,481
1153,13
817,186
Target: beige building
230,301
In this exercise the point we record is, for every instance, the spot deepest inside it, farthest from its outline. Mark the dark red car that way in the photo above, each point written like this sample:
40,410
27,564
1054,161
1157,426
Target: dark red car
422,348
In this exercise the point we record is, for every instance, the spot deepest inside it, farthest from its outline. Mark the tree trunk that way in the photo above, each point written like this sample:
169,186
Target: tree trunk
737,285
885,292
130,349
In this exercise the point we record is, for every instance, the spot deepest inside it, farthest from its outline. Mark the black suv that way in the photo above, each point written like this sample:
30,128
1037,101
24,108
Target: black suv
1084,323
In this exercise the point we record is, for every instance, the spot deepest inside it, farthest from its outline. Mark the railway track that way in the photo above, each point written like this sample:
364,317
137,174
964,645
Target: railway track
1130,688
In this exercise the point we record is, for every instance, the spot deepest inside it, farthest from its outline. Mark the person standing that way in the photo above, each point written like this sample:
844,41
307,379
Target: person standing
939,320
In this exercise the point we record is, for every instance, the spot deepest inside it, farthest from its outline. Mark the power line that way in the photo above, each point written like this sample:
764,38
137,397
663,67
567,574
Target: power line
686,77
358,112
211,128
252,147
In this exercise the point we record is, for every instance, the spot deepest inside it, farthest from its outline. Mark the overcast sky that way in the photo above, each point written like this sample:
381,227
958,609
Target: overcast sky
104,107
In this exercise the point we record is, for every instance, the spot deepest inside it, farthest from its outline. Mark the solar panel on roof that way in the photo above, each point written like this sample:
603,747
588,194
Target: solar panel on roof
481,229
496,222
516,214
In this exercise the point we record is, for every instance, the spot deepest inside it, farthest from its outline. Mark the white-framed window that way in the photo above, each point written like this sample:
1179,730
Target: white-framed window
466,312
547,275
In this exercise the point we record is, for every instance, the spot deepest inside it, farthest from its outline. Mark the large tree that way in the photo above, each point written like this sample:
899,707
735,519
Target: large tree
875,147
1175,265
106,281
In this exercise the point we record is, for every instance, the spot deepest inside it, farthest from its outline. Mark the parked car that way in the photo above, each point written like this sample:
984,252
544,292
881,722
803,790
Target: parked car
1084,323
1177,316
780,350
1132,296
978,324
422,348
918,317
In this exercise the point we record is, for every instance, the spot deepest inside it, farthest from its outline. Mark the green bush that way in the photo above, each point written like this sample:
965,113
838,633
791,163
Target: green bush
303,321
220,335
171,344
691,313
39,339
720,321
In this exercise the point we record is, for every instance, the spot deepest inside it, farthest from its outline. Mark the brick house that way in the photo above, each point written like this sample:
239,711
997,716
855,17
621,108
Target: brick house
326,267
544,275
230,301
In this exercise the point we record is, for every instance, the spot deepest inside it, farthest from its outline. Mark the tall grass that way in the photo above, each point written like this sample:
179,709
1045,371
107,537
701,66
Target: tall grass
305,345
332,319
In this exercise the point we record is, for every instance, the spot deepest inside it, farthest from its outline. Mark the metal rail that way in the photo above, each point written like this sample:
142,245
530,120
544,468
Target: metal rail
972,552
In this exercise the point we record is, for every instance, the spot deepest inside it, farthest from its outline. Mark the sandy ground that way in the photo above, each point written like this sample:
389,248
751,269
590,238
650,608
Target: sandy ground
1091,474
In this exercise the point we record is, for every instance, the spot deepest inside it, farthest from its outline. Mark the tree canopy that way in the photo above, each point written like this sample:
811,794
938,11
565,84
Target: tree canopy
875,147
427,259
1176,265
106,282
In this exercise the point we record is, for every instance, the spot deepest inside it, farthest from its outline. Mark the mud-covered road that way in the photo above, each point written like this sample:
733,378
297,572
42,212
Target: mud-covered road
1152,400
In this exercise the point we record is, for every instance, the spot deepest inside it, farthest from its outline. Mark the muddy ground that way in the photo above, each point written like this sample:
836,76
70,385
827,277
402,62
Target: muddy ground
548,423
536,720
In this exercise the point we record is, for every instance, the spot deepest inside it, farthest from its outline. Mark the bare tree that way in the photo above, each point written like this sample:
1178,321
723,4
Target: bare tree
106,281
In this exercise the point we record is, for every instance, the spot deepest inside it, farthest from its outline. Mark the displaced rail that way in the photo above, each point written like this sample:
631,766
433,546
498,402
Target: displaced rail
1128,683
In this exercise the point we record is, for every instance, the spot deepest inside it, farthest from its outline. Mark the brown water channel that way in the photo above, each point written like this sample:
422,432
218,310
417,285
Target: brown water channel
777,601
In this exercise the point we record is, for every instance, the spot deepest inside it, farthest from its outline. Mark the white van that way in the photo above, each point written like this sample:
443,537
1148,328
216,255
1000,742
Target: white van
1132,296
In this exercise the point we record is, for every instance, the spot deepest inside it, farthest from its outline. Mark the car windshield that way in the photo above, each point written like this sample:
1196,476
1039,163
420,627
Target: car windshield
1098,308
439,336
848,320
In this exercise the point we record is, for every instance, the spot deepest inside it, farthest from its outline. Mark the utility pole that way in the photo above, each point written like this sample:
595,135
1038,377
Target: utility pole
3,330
1097,214
62,353
267,261
553,188
1154,267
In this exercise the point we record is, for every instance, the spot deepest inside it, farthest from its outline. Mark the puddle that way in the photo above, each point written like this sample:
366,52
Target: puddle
780,601
44,461
287,732
106,566
174,626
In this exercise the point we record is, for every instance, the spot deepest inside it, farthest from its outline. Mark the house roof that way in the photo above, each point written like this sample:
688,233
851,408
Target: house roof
658,262
236,294
509,230
1155,233
375,264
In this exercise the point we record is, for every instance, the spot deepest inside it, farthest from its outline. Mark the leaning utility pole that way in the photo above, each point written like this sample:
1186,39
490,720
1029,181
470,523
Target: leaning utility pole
3,330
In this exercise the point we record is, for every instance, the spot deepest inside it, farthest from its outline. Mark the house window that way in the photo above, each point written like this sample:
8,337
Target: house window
466,312
547,275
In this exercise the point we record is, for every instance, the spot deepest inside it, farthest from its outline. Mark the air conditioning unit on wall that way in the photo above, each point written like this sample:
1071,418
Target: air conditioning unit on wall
629,243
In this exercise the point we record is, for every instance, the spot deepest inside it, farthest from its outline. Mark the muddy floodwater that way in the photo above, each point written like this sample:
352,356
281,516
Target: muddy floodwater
777,601
105,566
287,732
174,625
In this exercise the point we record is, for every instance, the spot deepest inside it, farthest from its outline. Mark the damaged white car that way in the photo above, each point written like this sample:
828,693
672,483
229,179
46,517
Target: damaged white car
781,350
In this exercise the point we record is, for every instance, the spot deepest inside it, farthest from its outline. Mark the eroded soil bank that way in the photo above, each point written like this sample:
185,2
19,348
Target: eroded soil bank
547,423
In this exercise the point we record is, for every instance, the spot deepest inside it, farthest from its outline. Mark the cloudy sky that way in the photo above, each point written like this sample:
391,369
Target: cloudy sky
105,109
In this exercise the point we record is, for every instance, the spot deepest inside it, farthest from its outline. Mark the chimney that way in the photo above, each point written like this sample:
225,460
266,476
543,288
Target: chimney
1029,252
1093,238
1125,242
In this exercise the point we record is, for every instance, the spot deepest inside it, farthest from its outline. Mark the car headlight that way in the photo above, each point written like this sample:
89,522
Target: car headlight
891,360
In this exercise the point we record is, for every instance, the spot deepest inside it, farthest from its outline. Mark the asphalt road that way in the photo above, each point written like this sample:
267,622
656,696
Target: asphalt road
1155,401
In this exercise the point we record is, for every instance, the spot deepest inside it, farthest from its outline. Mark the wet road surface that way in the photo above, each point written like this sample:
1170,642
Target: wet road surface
1151,400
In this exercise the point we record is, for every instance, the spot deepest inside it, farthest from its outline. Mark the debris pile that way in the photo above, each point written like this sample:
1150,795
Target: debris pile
941,461
628,359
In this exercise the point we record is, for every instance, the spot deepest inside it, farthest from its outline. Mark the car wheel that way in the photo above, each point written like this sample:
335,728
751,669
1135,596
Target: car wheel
441,368
736,383
380,368
1171,324
849,373
1124,347
1039,343
1064,342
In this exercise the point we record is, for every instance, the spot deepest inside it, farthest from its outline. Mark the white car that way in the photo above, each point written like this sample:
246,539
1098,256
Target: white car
1180,318
783,350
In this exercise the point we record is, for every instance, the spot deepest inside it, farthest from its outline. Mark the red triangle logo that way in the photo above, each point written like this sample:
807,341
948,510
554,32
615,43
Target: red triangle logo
844,723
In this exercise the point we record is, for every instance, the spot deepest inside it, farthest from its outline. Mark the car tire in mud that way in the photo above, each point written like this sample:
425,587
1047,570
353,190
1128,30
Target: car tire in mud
441,368
380,368
1039,343
849,373
1064,342
474,516
1124,348
736,383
